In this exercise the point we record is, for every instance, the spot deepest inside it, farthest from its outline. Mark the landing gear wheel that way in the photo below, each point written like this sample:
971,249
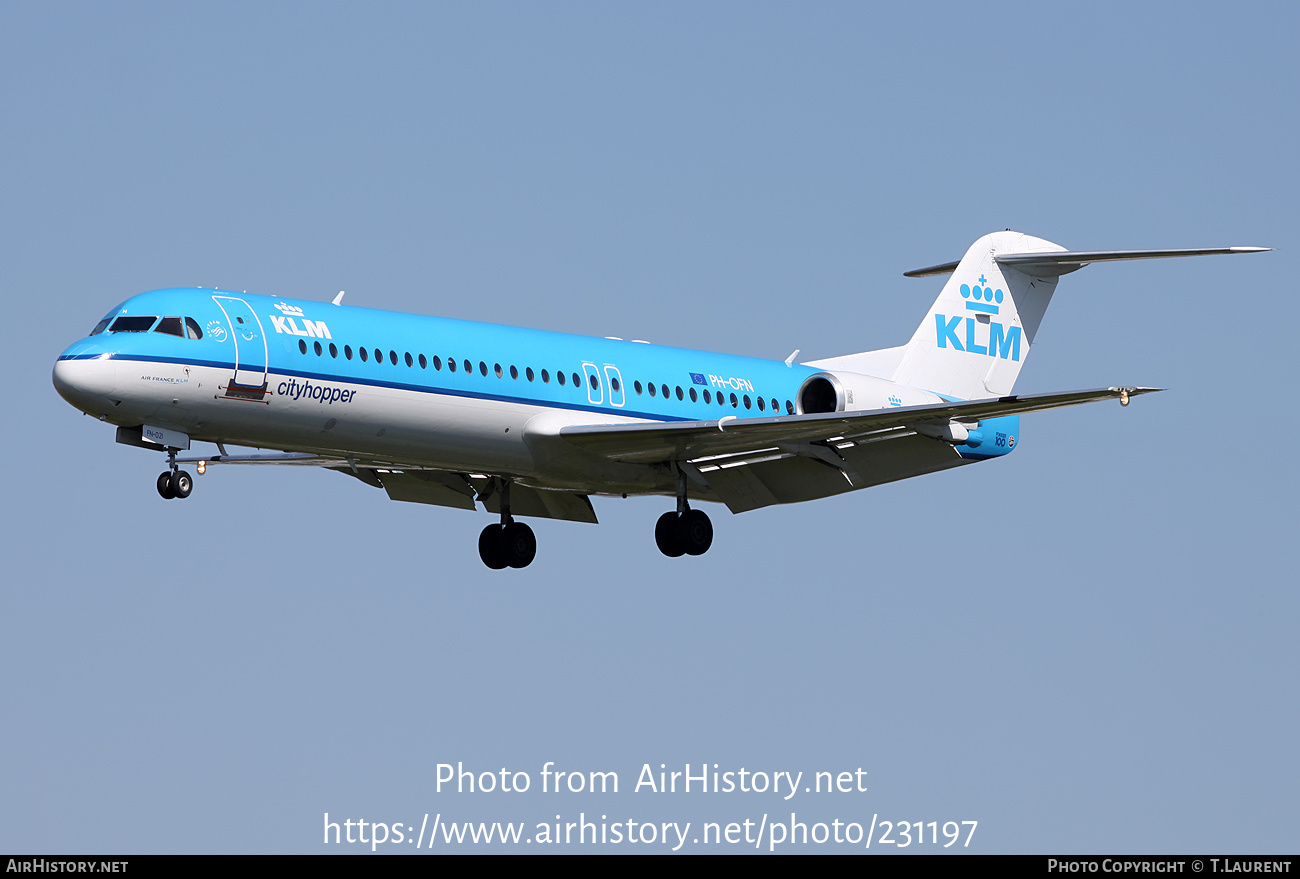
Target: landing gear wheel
182,484
694,532
518,545
490,547
666,536
165,488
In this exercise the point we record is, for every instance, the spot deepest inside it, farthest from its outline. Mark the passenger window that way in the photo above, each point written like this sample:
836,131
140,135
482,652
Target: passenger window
679,392
577,382
747,401
410,361
482,368
529,372
318,349
364,355
451,363
595,385
664,389
334,352
192,330
546,378
559,377
637,387
776,407
652,390
760,404
171,326
437,363
708,397
302,346
613,383
789,407
469,367
347,351
392,355
514,373
424,364
132,324
735,404
694,396
496,367
379,356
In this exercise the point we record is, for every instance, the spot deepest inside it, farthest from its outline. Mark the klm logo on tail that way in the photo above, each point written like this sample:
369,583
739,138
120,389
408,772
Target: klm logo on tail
997,341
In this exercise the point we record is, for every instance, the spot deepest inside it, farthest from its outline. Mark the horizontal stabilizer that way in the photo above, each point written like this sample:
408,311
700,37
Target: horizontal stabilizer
1056,263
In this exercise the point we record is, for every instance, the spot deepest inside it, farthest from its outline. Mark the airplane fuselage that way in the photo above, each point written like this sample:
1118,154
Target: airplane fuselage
448,394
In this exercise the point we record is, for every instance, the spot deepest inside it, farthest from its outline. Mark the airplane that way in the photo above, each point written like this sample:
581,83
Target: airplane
533,423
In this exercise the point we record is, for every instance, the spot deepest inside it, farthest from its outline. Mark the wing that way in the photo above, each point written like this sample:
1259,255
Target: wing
657,442
754,462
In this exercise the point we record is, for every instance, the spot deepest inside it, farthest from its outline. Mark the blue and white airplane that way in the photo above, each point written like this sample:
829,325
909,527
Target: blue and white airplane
532,423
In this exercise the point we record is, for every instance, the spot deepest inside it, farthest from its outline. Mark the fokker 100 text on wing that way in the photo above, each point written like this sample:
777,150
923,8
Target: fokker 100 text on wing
532,423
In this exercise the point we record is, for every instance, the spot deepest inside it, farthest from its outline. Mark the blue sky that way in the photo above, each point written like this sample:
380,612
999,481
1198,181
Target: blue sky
1086,646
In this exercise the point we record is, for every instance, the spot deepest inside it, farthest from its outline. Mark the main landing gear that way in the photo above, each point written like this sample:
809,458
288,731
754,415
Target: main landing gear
686,531
174,482
510,544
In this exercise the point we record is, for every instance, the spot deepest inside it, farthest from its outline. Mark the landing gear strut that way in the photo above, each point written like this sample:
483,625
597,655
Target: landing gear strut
686,531
510,544
174,482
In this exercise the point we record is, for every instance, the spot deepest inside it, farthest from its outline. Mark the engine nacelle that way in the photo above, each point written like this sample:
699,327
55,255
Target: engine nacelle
850,391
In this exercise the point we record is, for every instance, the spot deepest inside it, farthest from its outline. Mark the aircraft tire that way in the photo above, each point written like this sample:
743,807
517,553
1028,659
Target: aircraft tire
694,532
165,489
182,484
518,545
490,548
666,536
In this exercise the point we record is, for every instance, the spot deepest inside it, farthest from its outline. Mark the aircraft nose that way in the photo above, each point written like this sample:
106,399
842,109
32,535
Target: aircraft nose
86,380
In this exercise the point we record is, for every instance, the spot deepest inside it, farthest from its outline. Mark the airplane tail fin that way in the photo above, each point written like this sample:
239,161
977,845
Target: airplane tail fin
978,332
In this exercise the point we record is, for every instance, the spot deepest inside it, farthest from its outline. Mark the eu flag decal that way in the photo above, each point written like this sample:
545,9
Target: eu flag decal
698,378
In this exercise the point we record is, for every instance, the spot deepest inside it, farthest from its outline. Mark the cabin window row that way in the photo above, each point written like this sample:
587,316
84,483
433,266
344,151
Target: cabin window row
452,365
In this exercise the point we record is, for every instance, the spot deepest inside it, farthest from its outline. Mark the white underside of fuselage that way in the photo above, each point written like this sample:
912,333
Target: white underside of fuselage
339,418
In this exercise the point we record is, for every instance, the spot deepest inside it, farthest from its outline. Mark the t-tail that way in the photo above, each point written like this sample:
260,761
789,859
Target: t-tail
979,331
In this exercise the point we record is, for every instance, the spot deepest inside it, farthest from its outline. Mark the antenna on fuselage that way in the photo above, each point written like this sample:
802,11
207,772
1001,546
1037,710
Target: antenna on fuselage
789,361
338,300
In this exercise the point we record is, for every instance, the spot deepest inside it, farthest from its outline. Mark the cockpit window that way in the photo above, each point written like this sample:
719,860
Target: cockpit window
192,330
132,324
99,327
171,326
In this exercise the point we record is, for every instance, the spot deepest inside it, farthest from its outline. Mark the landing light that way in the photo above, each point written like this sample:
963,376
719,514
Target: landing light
202,468
1123,398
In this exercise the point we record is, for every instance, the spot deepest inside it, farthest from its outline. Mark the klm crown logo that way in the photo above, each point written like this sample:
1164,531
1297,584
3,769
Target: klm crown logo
977,293
995,341
286,308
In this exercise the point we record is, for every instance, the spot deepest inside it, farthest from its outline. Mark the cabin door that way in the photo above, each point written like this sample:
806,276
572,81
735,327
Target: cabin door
250,342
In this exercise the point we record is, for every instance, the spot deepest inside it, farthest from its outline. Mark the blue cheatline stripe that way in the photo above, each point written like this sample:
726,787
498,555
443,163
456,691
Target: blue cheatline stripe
401,386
